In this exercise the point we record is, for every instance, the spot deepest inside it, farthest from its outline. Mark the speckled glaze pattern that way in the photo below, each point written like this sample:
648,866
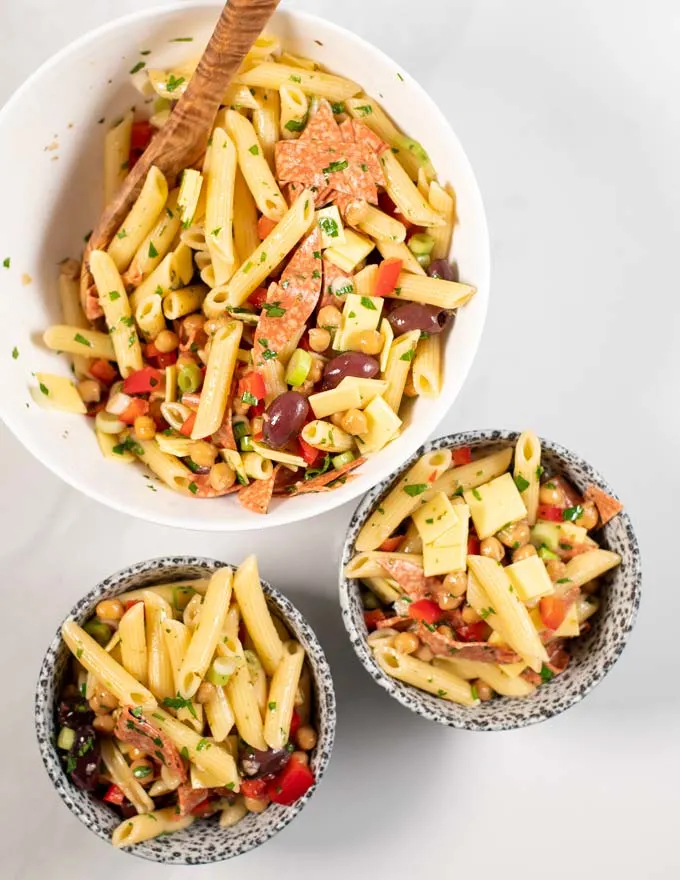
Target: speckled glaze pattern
593,654
205,841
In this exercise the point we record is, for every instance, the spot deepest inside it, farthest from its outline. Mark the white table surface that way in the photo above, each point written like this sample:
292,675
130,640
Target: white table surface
569,114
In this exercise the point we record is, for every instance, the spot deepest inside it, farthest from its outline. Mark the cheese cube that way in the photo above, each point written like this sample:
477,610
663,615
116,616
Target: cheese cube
325,403
530,578
570,625
513,670
435,518
555,535
457,534
359,313
348,255
442,560
383,425
494,505
330,226
367,388
57,392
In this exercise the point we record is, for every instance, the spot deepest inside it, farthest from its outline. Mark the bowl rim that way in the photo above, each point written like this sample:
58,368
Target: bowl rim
453,714
123,580
328,501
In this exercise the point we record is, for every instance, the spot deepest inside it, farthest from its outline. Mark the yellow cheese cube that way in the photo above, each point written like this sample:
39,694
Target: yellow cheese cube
570,625
457,534
330,226
325,403
530,578
57,392
435,518
442,560
383,425
554,534
494,505
359,313
367,388
348,255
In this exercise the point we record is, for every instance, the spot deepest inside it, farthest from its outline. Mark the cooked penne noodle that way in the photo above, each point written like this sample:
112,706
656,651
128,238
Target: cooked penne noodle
435,680
394,250
526,471
72,311
445,205
116,156
492,675
405,195
149,825
324,85
132,631
175,270
217,382
258,679
469,476
250,596
116,307
366,563
281,700
246,238
402,353
220,715
375,223
427,367
232,814
252,162
183,301
433,291
160,675
266,121
219,212
587,566
140,220
149,317
77,340
326,436
157,243
243,700
121,775
170,469
294,108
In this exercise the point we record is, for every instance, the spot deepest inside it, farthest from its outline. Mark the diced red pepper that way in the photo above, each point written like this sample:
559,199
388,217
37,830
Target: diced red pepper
136,408
166,359
309,453
143,381
372,618
206,806
105,372
188,426
265,226
140,138
425,610
462,455
295,723
473,632
304,342
114,795
258,297
294,780
387,277
254,788
253,384
128,605
389,545
473,545
256,410
553,610
550,512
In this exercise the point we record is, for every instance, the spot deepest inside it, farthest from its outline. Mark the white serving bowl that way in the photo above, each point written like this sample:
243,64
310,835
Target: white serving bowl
51,149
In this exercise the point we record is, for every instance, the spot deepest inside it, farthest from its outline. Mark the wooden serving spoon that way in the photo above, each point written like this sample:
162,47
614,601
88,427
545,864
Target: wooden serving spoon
184,138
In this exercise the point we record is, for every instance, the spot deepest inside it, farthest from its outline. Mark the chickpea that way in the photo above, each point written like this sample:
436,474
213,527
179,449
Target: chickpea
445,631
300,757
370,342
469,615
109,609
550,493
306,737
492,548
135,754
257,425
337,418
166,341
193,323
90,391
205,692
447,602
329,317
256,805
406,643
102,701
145,428
306,388
319,339
589,518
354,422
104,723
203,453
410,390
221,477
424,653
556,569
523,552
143,771
484,692
456,583
316,370
515,535
591,587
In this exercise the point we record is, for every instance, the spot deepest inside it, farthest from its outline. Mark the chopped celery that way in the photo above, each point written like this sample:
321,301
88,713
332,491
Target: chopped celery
66,739
343,459
99,631
246,443
298,367
219,672
423,259
421,244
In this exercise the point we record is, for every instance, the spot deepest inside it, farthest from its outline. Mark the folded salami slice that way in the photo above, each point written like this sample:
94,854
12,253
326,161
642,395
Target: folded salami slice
136,730
257,495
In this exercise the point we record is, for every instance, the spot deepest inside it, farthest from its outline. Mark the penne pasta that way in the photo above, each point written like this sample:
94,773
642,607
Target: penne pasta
435,680
281,698
527,471
324,85
258,620
140,220
219,212
116,307
405,195
432,291
252,162
149,825
217,382
78,340
132,631
402,353
116,155
427,367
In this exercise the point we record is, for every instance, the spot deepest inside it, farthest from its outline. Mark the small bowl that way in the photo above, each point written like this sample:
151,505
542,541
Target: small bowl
593,654
204,841
59,156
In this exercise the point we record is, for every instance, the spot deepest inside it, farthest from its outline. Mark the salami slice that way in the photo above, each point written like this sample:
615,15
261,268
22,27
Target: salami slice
320,483
332,273
321,127
411,577
607,506
224,435
291,301
482,652
189,798
138,731
397,622
257,495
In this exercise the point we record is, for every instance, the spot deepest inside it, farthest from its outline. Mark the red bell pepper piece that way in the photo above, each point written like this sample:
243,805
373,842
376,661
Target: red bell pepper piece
253,384
294,780
104,372
309,453
553,610
389,545
143,381
140,138
264,227
114,795
425,610
473,632
206,806
462,455
304,342
550,512
295,723
136,408
256,410
473,545
188,426
258,297
387,277
372,618
254,788
128,605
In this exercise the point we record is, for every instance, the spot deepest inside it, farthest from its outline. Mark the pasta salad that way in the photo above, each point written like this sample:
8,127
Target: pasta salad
187,700
258,326
478,573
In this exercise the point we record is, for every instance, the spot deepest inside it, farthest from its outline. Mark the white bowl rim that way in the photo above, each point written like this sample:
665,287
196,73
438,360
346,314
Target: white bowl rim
289,513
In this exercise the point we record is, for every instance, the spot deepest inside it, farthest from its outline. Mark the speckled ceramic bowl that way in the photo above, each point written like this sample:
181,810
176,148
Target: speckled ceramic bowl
205,841
593,654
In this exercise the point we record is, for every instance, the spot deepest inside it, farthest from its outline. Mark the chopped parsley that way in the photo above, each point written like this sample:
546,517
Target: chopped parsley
352,315
128,320
368,303
317,255
273,309
121,234
152,250
399,76
216,232
539,471
336,166
45,390
254,150
476,494
474,692
269,355
338,108
316,274
364,109
521,483
249,398
179,702
430,521
141,772
128,445
295,124
272,705
566,546
193,488
295,79
81,339
263,256
182,40
87,237
140,65
137,712
571,514
248,266
485,612
441,693
317,471
202,744
6,262
363,166
15,353
408,355
459,492
184,752
415,489
564,581
329,227
114,295
546,673
174,82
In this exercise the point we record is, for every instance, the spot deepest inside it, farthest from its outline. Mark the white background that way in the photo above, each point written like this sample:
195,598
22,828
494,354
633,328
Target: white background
570,116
